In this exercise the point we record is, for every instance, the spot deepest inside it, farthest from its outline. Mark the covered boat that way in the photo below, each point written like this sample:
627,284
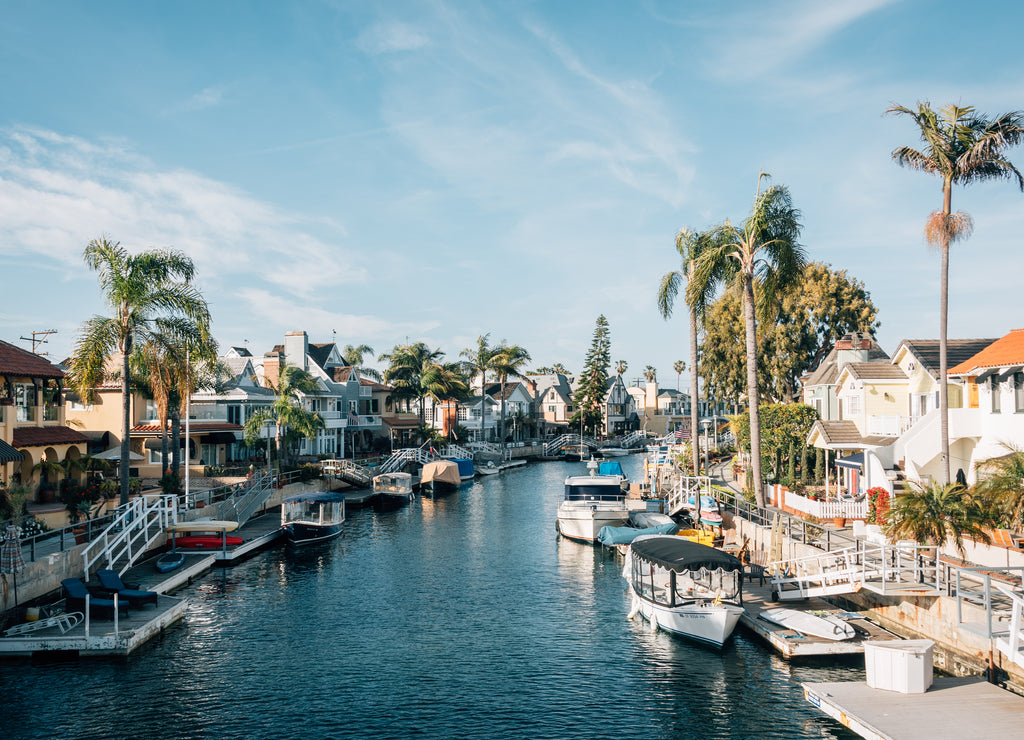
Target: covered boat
394,489
203,534
685,588
440,477
312,517
591,502
610,536
465,467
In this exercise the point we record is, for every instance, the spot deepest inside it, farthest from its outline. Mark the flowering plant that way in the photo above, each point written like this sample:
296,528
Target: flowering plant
878,505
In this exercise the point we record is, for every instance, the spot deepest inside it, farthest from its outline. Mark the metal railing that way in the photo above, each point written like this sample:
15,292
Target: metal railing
136,526
347,470
241,506
1010,646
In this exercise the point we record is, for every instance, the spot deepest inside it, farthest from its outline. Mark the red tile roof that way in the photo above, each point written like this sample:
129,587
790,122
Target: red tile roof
1008,350
42,436
18,362
194,427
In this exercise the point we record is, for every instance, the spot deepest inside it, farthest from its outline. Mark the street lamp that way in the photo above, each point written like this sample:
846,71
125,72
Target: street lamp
707,448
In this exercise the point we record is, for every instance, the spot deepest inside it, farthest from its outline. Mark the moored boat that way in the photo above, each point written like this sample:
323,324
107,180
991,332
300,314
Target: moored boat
612,451
394,490
710,512
827,627
204,534
488,469
440,477
466,471
169,561
312,517
685,588
590,503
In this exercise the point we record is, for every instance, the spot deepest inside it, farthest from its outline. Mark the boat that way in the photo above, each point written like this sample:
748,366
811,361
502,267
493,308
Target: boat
704,537
614,467
685,588
466,471
312,517
203,534
394,490
489,469
440,477
612,451
575,453
612,536
827,627
710,512
643,519
169,561
591,502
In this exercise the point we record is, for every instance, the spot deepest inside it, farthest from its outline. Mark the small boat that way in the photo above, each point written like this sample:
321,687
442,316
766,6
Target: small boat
826,627
613,451
440,477
312,517
394,489
612,536
203,534
710,513
169,561
685,588
591,502
465,468
643,519
489,469
575,453
697,535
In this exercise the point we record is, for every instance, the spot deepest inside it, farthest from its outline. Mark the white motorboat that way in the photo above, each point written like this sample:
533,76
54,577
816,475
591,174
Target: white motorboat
613,451
394,489
488,469
591,502
827,627
684,587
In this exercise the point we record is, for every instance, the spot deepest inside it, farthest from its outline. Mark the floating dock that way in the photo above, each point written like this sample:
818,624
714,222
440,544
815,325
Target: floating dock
952,707
791,644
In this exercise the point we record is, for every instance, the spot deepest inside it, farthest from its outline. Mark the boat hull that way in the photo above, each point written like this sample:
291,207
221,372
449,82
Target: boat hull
436,488
708,624
206,542
584,522
301,533
170,561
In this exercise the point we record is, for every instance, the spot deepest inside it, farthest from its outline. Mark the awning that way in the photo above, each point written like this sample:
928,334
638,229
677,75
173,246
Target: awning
853,462
8,454
114,453
218,438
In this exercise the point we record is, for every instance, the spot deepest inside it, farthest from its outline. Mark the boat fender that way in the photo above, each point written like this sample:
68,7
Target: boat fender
634,607
654,622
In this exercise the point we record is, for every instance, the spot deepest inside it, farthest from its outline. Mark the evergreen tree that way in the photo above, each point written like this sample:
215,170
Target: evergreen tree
819,466
806,461
593,382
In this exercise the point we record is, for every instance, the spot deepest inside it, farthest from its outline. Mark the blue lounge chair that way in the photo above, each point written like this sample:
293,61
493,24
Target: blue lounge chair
111,581
76,592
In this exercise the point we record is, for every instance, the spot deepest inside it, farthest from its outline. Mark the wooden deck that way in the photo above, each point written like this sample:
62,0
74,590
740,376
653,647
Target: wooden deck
792,644
952,707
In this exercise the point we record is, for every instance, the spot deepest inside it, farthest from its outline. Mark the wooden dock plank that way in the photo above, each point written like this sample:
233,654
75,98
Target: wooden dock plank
952,707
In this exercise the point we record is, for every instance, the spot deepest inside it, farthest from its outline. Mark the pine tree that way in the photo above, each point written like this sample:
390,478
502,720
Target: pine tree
593,385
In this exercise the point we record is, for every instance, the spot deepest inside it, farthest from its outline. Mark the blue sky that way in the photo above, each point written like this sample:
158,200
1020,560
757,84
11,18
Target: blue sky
382,172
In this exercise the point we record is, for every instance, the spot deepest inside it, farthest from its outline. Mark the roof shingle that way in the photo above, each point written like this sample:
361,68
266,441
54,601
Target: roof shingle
18,362
1008,350
42,436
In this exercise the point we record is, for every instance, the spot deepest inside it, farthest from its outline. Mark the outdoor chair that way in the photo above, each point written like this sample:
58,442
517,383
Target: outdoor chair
111,581
76,592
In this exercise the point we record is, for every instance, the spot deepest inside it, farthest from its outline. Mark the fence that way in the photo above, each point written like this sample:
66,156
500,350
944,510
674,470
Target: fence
847,509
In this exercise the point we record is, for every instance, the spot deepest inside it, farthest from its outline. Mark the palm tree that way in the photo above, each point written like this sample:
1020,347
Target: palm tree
559,369
680,367
762,254
690,245
961,147
408,366
149,292
934,512
621,366
509,362
286,412
1002,483
480,360
354,356
650,373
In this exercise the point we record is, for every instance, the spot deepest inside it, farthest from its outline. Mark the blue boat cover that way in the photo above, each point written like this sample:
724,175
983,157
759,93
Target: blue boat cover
609,536
465,466
327,497
610,467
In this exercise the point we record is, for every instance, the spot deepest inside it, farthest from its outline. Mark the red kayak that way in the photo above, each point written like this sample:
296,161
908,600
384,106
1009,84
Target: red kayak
205,541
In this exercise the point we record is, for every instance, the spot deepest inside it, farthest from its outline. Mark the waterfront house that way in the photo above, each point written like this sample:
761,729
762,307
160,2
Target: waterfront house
553,401
33,422
818,388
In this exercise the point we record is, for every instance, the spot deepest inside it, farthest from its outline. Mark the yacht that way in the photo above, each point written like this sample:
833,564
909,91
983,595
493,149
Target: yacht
591,502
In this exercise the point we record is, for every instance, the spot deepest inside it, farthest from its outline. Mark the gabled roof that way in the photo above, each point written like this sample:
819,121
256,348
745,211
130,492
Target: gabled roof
877,370
494,389
18,362
845,435
320,353
828,370
957,350
1003,352
42,436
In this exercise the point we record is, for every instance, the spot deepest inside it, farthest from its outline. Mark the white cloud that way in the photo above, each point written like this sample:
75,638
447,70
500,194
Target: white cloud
381,38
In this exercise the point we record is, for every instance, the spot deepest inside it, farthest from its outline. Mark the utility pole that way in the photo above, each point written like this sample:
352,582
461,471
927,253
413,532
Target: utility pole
36,343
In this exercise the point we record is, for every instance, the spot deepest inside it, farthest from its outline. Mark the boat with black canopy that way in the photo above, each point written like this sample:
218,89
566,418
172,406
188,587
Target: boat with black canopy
312,517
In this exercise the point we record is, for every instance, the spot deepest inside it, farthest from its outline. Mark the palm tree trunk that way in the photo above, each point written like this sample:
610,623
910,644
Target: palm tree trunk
694,390
752,395
126,421
176,439
483,408
947,206
501,420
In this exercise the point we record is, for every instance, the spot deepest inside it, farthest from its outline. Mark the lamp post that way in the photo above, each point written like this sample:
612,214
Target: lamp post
707,449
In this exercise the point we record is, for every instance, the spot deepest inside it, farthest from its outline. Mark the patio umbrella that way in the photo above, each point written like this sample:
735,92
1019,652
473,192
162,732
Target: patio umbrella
11,559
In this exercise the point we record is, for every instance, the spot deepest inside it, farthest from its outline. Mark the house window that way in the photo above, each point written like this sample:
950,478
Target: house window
235,415
25,401
853,405
993,386
1018,392
156,456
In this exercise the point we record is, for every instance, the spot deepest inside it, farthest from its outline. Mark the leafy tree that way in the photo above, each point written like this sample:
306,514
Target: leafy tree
1002,483
722,355
786,426
291,420
593,381
690,246
479,360
961,147
932,513
509,362
680,367
149,292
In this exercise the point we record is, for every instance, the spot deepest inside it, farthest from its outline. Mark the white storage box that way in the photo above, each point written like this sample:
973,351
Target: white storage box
899,665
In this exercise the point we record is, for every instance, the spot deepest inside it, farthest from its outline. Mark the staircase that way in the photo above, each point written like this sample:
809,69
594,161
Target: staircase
247,502
136,526
1012,645
634,439
681,488
349,472
555,446
400,458
457,451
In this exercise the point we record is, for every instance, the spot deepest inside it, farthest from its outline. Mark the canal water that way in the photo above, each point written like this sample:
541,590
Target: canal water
464,617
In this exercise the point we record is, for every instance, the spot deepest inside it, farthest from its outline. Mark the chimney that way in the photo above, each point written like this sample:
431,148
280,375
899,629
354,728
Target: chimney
296,347
853,347
271,368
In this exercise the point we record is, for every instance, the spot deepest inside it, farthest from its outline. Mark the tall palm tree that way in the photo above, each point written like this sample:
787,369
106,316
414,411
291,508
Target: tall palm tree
934,512
408,366
509,362
286,412
355,356
149,292
621,366
680,367
1002,483
690,245
479,360
559,369
760,259
650,373
961,147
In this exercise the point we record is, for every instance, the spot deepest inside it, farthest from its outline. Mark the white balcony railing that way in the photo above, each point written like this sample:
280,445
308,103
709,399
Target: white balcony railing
888,426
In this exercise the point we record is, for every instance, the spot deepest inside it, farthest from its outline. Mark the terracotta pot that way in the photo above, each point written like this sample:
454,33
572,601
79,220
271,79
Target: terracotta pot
81,536
839,521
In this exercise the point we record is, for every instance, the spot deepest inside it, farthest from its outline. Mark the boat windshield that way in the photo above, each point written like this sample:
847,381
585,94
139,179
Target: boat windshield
594,491
312,511
667,587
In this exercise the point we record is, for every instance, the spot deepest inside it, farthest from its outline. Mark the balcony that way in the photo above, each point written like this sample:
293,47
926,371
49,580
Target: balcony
51,413
888,426
365,421
207,413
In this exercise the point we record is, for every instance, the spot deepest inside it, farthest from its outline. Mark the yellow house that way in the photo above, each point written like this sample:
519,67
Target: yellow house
32,422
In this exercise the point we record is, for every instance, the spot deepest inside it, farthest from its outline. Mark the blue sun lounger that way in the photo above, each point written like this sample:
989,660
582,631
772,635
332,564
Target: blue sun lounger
76,593
111,581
